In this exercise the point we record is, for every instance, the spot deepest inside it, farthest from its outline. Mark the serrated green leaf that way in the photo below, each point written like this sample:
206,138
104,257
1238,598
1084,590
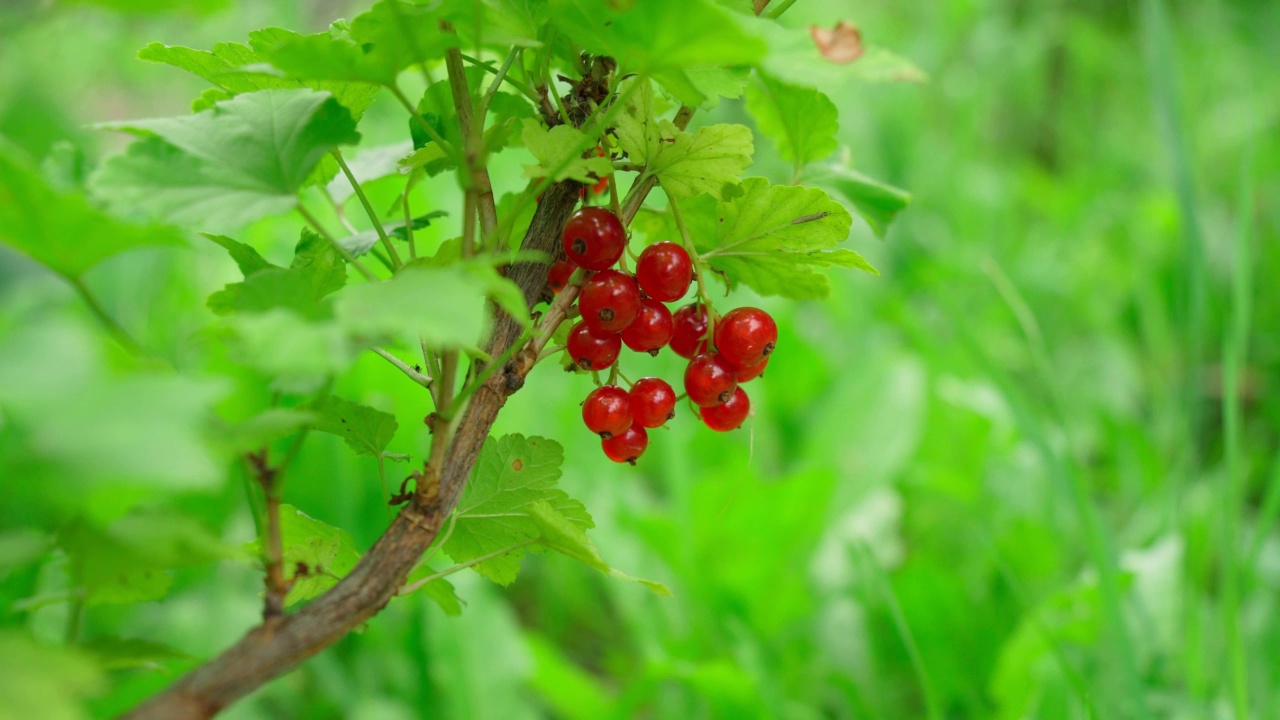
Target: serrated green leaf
554,150
714,82
366,430
247,259
373,48
772,238
315,259
315,271
50,683
327,552
223,66
878,203
242,160
686,164
660,38
49,225
511,473
561,534
802,122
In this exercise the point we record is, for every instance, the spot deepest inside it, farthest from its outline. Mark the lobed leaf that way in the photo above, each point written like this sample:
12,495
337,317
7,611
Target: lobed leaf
366,430
242,160
801,121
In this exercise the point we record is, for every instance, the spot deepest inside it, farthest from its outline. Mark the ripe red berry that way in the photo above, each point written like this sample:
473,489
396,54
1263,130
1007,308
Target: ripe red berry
627,447
558,275
609,301
746,336
751,372
591,350
728,416
652,328
709,380
689,330
664,271
653,402
607,411
594,238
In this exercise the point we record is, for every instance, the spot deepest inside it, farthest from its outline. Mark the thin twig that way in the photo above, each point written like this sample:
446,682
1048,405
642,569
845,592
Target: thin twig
497,82
368,209
473,158
414,375
489,69
114,328
422,123
272,544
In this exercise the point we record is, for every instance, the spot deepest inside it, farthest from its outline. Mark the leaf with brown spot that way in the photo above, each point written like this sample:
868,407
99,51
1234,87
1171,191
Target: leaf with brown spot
842,44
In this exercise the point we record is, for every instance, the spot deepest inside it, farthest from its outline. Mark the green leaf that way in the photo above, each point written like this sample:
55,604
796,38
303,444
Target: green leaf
265,428
558,152
223,67
801,121
561,534
878,203
298,353
50,226
163,444
373,48
445,305
686,164
511,473
116,653
242,160
247,259
794,58
327,552
128,561
367,431
772,238
316,271
50,683
440,590
714,82
660,38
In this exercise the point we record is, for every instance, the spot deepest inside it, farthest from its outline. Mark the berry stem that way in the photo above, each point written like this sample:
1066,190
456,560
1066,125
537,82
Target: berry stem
700,268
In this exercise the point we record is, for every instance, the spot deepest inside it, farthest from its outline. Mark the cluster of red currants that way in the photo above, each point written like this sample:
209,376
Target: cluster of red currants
618,308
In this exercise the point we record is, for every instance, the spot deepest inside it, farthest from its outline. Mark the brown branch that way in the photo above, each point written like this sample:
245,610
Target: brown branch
272,549
759,5
273,648
478,184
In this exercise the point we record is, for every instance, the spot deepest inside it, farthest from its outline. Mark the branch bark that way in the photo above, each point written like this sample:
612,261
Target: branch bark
280,643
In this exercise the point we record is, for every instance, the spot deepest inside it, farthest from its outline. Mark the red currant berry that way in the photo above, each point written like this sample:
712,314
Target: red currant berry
607,411
664,271
653,402
594,238
726,417
746,336
609,301
592,351
690,330
627,447
709,380
652,328
558,275
752,372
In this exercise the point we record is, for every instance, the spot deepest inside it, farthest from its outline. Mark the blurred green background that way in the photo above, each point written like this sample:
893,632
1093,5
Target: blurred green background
1029,472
